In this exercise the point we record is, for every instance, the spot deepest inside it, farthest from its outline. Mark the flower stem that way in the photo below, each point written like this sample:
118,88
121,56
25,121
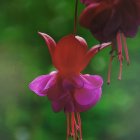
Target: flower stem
75,16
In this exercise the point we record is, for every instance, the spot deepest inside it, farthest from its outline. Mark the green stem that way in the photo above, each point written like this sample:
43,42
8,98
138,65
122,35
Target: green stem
75,16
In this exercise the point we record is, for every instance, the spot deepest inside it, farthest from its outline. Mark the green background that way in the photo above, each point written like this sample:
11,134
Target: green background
24,56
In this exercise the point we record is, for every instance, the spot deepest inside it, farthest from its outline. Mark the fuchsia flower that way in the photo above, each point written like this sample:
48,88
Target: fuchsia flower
112,20
67,88
105,18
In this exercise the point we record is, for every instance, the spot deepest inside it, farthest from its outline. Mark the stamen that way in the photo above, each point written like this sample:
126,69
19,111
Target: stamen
120,38
120,71
110,62
68,125
125,49
73,126
109,69
79,122
120,57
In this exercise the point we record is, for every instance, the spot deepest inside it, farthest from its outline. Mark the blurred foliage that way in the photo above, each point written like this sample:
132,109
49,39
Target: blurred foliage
24,56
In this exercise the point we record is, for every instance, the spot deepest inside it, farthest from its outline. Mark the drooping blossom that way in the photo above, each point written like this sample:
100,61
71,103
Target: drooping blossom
67,88
112,20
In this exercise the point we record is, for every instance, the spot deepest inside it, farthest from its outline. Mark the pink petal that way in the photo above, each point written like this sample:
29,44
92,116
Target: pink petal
57,106
57,92
75,81
49,42
82,108
40,84
69,106
65,104
91,92
92,81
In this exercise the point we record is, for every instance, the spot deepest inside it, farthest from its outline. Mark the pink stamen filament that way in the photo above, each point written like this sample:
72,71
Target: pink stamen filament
68,125
80,127
73,126
125,49
110,62
121,42
120,71
120,57
109,70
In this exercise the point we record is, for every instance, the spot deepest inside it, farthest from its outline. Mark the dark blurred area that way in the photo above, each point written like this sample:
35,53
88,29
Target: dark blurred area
24,56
